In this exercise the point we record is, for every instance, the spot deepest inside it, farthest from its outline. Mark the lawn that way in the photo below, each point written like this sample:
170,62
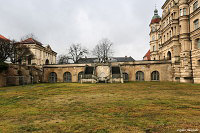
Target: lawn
135,107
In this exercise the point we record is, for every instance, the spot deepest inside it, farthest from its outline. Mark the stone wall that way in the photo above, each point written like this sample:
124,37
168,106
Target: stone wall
74,69
20,75
2,79
163,67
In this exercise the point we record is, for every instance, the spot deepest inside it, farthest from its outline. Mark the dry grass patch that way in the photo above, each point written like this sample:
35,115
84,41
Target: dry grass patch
100,108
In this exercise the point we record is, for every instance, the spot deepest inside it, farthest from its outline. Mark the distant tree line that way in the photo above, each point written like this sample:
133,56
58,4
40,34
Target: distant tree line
102,51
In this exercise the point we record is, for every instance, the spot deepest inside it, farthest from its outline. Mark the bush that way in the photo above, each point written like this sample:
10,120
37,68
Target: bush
3,67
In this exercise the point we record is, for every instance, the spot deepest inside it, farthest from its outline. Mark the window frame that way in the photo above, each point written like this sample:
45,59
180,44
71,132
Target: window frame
196,24
184,11
195,5
198,43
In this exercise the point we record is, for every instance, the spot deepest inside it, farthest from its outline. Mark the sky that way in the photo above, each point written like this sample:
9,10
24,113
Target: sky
60,23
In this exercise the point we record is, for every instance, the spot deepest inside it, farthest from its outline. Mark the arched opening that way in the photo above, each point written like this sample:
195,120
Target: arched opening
46,62
155,76
80,75
52,77
67,77
169,55
139,76
125,77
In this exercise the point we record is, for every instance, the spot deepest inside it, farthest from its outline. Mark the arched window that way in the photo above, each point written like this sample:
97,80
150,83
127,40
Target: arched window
139,76
125,77
46,62
52,77
80,75
155,76
169,55
67,77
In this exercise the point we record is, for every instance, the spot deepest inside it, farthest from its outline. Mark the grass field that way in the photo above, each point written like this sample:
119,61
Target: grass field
100,108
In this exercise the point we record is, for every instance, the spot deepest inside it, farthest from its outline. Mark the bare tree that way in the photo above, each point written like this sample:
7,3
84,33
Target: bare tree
20,52
76,52
5,50
103,50
63,59
31,35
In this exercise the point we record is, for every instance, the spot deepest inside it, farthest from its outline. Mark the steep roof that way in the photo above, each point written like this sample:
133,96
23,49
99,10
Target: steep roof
156,18
124,59
147,55
113,59
4,38
30,41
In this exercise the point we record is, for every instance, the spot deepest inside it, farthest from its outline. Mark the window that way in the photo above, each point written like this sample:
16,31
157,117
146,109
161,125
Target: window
167,36
164,38
195,5
153,38
46,62
153,28
184,11
139,76
125,77
198,43
181,12
80,75
154,48
169,55
155,76
170,34
67,77
29,60
196,24
53,77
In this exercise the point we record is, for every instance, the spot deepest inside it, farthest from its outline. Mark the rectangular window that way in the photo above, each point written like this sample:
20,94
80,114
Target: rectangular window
153,38
184,11
154,48
181,12
195,5
198,43
196,24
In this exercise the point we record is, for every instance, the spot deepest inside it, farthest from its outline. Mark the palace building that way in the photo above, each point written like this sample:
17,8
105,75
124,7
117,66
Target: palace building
176,37
174,53
42,54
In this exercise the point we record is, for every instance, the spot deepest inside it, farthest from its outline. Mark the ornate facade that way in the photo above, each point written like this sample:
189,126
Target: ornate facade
42,54
176,37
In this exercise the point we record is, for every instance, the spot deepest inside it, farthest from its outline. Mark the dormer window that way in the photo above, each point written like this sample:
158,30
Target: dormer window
195,5
196,24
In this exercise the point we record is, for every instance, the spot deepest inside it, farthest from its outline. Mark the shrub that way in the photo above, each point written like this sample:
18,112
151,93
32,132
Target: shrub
3,67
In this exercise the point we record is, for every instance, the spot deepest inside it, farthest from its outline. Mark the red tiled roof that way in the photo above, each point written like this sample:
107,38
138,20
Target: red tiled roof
156,20
3,38
30,41
147,55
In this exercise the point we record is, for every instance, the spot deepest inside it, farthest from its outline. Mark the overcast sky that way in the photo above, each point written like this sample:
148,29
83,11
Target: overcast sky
62,22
